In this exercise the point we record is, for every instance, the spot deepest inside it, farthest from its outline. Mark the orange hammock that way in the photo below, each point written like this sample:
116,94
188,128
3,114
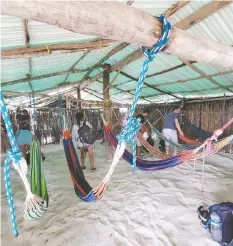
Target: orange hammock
189,141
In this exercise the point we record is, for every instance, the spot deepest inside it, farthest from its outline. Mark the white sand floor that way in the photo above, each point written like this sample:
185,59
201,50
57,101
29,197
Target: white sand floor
141,208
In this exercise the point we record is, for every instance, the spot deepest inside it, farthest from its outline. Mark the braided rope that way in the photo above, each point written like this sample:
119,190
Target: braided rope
14,155
33,204
128,133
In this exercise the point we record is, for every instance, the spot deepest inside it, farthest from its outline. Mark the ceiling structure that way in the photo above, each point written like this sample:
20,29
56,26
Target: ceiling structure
48,61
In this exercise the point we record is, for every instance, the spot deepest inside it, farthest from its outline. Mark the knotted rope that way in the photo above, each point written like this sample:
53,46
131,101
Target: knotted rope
14,155
128,133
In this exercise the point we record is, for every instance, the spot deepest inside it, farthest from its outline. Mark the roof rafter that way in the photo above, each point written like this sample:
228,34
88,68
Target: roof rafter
204,75
53,49
151,86
202,14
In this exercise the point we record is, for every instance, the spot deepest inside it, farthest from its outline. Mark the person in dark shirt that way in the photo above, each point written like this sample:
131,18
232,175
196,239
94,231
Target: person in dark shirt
23,135
171,125
143,117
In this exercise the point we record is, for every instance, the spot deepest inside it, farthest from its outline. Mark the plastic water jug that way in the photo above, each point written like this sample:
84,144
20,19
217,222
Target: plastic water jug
216,227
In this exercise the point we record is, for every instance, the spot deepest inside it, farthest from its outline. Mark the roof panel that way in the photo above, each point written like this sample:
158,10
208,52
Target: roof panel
222,31
54,63
14,69
44,34
47,83
12,32
94,56
21,87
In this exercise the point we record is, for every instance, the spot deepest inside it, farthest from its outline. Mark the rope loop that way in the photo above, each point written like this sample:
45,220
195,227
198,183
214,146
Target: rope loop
14,155
149,54
129,132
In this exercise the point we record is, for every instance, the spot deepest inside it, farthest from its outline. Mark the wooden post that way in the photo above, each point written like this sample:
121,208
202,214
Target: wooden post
79,97
106,94
107,108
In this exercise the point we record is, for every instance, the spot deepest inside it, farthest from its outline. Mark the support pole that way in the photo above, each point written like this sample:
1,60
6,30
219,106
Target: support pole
79,98
106,94
107,108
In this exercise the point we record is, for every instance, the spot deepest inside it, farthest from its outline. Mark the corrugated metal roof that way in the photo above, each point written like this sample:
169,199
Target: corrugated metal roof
44,34
12,32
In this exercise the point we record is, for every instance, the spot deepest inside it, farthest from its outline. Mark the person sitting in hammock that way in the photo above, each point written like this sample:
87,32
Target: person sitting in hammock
84,147
23,135
171,125
143,117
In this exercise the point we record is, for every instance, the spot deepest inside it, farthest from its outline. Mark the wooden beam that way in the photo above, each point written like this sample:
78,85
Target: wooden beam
187,80
79,97
204,75
50,75
72,68
112,19
202,14
175,7
168,70
53,49
13,93
108,55
150,86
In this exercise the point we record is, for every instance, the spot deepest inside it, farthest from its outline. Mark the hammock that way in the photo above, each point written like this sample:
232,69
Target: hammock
161,136
38,183
197,132
189,141
150,148
85,192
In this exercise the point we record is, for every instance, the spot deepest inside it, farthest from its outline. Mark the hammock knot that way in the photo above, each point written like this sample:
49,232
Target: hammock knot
14,155
150,54
129,132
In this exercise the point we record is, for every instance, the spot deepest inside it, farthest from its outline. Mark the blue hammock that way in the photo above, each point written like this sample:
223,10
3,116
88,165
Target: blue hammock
197,132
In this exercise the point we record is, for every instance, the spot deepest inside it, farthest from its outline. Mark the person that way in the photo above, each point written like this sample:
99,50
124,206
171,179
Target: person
142,117
171,125
84,148
23,135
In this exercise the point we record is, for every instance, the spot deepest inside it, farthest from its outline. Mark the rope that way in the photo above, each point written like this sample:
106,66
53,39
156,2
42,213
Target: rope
14,155
129,132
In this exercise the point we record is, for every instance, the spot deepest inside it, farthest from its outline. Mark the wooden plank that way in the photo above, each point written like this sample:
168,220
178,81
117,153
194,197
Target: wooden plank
72,68
108,55
175,7
150,86
53,49
202,14
50,75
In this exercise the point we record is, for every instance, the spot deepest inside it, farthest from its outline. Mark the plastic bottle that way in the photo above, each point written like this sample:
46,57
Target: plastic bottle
216,227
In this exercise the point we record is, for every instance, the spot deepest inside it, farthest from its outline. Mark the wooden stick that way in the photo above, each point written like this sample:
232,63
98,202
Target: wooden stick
54,49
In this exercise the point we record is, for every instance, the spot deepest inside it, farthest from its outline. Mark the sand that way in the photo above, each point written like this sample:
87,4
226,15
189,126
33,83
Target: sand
141,208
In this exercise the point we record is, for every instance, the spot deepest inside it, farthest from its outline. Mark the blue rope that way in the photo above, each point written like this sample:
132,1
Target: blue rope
14,155
129,132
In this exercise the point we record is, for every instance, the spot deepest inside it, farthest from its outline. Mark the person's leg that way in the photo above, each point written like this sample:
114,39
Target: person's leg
138,148
138,151
166,135
82,153
174,139
91,156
